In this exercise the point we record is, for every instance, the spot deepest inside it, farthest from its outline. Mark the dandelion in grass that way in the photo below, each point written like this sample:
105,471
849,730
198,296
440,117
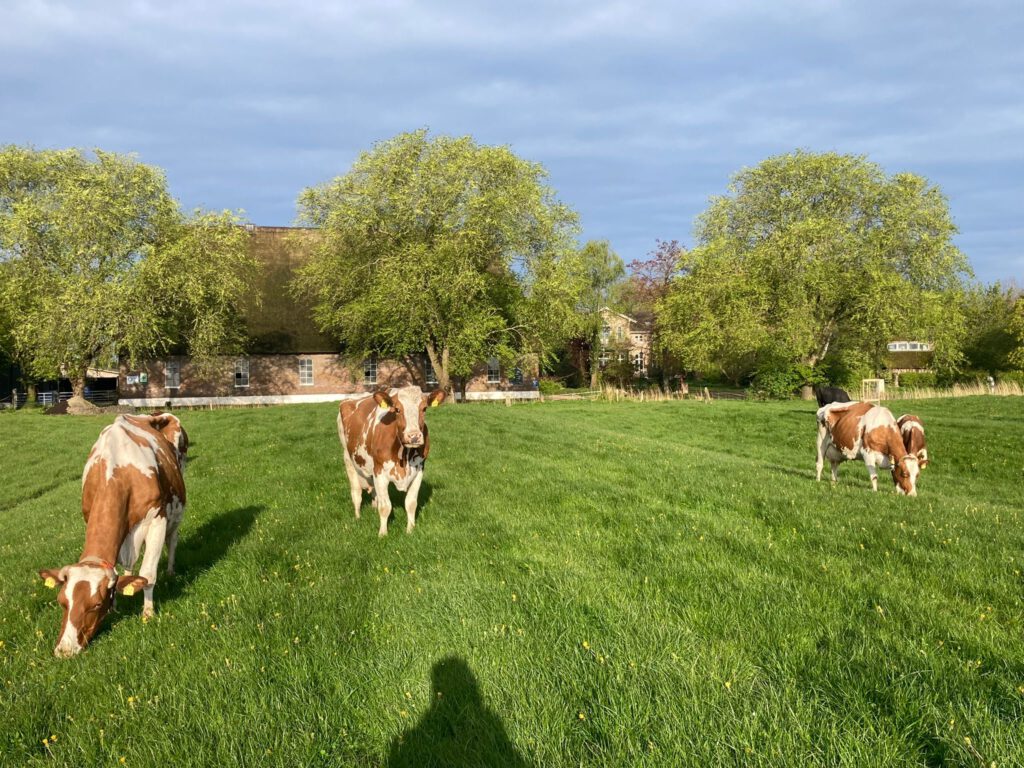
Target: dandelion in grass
582,716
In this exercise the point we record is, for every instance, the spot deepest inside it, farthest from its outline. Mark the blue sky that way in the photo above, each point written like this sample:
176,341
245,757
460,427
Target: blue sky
639,110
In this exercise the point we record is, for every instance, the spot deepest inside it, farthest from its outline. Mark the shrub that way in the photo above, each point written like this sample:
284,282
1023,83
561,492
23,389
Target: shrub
1010,377
924,379
550,387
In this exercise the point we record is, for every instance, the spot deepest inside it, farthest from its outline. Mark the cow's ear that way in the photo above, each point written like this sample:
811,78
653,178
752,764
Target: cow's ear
383,399
52,576
127,585
435,398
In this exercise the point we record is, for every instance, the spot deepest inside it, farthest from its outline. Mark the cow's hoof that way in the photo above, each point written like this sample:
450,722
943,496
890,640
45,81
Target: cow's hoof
147,614
408,528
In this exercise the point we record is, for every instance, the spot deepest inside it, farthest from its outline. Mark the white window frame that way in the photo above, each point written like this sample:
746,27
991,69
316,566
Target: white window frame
305,371
493,371
242,373
370,370
169,366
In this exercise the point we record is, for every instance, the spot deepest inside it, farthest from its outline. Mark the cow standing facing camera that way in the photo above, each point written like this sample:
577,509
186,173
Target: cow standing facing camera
384,440
133,493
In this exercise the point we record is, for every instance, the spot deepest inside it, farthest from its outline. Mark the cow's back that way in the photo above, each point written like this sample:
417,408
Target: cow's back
131,469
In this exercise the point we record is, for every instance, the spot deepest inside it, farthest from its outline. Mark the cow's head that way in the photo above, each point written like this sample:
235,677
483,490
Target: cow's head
168,425
86,593
407,406
904,473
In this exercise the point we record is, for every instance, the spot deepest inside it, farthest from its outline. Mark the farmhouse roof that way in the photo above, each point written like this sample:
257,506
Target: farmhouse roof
279,322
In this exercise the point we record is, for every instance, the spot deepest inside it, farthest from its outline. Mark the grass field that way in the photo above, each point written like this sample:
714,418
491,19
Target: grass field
589,584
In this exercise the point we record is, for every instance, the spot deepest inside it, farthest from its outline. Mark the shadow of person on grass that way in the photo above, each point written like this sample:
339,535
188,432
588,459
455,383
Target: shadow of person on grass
458,731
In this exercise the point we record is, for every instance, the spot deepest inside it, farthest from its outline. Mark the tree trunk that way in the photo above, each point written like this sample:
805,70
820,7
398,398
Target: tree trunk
595,361
441,368
78,386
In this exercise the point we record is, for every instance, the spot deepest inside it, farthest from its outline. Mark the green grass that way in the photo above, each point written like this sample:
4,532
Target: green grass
589,584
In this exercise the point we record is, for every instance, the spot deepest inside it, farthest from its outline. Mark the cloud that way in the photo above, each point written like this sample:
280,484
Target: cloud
640,110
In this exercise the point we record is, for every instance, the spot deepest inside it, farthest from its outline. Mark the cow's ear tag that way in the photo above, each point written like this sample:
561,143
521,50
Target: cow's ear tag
382,407
434,404
50,582
128,591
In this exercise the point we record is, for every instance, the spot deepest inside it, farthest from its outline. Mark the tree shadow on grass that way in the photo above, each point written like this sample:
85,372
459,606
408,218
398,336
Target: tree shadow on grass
459,730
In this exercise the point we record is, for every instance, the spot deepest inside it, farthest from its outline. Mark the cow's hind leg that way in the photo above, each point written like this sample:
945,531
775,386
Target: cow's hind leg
150,559
355,483
380,487
411,502
822,437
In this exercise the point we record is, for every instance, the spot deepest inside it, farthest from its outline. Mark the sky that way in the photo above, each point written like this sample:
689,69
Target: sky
640,110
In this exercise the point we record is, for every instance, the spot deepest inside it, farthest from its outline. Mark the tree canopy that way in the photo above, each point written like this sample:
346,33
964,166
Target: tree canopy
441,245
810,254
97,261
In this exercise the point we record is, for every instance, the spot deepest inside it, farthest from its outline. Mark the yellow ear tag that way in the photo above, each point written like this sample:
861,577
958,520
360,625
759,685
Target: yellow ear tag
382,407
434,404
50,582
128,591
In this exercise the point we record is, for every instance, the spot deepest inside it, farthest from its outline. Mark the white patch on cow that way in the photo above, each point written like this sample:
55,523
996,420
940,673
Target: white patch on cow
117,449
909,426
92,575
132,543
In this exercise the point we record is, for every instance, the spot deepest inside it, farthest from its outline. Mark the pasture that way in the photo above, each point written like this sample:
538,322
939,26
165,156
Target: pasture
589,584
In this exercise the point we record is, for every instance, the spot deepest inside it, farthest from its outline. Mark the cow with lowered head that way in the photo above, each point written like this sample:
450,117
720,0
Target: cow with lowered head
133,493
826,395
912,430
384,441
847,431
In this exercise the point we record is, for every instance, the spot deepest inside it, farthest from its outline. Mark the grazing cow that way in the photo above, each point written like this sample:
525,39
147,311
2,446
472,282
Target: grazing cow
912,431
132,493
847,431
826,395
384,440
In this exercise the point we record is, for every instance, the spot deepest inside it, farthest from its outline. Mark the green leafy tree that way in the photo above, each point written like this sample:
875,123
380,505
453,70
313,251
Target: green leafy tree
443,245
603,271
98,261
808,253
988,312
1016,327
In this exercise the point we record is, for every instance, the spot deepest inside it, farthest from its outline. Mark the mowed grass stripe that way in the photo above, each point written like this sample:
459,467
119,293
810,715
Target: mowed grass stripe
649,584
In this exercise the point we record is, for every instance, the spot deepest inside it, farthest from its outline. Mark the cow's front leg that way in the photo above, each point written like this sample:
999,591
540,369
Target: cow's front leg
821,452
150,559
380,488
873,472
411,501
174,516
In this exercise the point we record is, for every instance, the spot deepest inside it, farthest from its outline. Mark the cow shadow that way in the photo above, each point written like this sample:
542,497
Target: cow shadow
200,549
459,730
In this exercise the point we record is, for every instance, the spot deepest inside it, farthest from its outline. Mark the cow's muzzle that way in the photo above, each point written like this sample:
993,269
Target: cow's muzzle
412,439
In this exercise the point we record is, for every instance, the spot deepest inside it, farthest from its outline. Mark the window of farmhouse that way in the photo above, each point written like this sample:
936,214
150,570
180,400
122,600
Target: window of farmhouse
306,372
428,370
242,372
493,371
370,370
172,374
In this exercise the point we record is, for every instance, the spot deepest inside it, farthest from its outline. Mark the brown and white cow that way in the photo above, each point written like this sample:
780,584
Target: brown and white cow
132,493
847,431
912,430
384,440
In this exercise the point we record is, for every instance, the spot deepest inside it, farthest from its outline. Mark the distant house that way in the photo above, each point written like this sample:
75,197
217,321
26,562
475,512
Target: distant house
908,357
624,338
289,359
